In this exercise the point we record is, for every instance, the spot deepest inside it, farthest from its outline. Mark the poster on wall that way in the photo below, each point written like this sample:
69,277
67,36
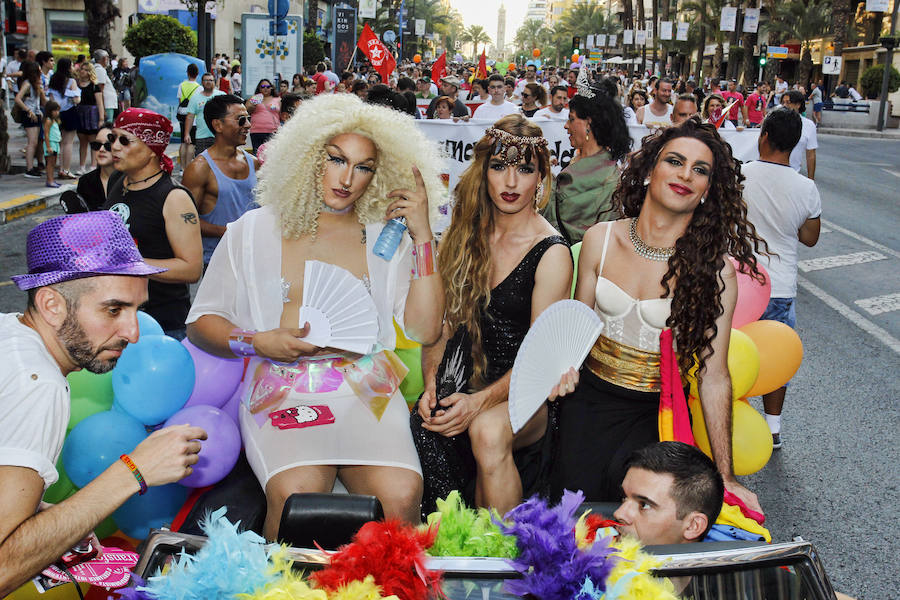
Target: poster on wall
263,55
343,34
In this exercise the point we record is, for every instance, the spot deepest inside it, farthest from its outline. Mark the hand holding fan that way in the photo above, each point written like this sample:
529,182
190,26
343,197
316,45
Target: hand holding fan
340,312
559,339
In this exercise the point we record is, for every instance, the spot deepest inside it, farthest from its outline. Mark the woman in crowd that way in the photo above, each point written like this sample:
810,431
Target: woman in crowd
584,189
333,174
443,108
664,266
297,84
93,186
264,108
502,264
30,99
534,97
64,90
90,110
713,106
552,81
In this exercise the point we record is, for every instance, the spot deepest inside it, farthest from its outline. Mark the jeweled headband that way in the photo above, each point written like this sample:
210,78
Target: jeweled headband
512,148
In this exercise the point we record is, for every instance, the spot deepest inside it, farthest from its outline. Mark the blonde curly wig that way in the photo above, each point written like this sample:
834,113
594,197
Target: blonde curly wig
291,179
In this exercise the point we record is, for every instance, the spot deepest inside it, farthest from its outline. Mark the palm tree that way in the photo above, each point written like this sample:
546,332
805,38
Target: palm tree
803,21
707,14
450,30
529,36
840,22
475,34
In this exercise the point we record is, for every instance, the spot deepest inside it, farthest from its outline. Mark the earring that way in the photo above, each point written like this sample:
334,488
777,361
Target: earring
646,181
539,194
702,199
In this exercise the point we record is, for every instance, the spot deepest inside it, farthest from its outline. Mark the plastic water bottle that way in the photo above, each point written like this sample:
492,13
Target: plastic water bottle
389,239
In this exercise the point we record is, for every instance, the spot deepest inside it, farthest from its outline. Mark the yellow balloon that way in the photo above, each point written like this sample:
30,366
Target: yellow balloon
751,440
780,354
743,363
62,592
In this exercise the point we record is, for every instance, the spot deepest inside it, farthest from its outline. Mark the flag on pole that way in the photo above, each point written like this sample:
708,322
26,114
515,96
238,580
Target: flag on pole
481,71
382,60
438,68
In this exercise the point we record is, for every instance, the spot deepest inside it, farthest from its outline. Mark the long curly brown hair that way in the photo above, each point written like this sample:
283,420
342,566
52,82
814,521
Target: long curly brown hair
719,227
465,264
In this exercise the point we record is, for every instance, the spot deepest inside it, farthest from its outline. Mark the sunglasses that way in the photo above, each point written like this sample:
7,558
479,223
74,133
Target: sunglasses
123,139
95,146
243,120
265,86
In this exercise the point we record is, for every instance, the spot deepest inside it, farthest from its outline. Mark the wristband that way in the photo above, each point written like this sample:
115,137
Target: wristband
240,342
423,263
134,471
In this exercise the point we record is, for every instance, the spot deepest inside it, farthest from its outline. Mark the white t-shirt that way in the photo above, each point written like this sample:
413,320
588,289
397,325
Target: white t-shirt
494,111
808,141
779,201
854,95
546,113
236,83
110,98
34,401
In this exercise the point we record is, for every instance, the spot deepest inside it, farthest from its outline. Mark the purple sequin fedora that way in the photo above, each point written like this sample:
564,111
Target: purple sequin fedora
81,245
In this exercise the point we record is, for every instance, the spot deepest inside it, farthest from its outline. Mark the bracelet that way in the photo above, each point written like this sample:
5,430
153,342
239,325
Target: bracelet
134,471
240,342
423,255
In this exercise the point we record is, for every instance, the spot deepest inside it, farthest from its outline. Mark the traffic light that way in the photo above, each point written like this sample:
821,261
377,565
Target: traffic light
576,42
763,55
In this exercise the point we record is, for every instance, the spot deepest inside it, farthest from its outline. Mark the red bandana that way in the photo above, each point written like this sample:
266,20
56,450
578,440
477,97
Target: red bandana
151,128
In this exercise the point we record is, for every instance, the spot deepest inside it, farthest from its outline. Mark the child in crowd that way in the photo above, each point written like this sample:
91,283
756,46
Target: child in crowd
52,138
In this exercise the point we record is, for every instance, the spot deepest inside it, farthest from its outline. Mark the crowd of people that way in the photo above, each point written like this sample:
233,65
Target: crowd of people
331,158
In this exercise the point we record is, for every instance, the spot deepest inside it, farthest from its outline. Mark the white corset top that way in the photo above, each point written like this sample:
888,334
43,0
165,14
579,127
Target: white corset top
626,320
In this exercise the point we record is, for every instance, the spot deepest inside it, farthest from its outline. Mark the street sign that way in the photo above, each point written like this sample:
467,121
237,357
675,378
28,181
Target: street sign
831,65
420,27
278,8
778,51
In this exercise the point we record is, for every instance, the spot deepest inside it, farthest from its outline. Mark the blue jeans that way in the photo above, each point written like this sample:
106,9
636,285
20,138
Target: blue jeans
781,310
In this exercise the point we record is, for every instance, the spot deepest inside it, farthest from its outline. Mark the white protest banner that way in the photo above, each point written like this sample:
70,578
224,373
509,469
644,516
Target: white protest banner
367,9
878,5
728,19
628,36
601,39
612,40
640,37
682,32
665,30
751,20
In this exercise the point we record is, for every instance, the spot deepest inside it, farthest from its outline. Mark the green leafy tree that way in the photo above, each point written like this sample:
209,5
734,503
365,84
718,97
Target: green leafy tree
313,50
100,15
804,21
157,34
707,14
872,79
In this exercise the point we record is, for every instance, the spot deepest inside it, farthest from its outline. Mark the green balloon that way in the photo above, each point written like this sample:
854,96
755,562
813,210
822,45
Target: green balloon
105,528
412,385
62,489
90,394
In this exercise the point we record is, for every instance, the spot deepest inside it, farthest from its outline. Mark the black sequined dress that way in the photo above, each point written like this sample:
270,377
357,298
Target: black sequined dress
447,462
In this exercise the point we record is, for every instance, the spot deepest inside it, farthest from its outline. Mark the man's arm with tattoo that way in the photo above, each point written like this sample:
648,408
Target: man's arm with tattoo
183,231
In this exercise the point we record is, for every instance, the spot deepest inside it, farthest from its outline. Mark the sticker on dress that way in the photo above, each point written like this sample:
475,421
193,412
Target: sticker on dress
297,417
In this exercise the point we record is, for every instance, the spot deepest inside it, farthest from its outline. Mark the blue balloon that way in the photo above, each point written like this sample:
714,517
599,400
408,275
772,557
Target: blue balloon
147,325
153,379
97,442
155,509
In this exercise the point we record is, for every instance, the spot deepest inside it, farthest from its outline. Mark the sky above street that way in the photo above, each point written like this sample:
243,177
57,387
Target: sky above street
484,13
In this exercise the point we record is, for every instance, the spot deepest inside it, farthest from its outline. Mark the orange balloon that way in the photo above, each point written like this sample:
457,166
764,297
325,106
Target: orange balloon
536,52
574,58
512,66
780,354
417,58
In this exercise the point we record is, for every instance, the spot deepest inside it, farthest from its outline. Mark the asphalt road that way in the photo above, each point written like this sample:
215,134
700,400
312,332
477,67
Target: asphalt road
835,482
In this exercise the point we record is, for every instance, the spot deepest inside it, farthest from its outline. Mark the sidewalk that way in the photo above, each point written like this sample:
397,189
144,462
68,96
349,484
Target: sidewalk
20,195
887,134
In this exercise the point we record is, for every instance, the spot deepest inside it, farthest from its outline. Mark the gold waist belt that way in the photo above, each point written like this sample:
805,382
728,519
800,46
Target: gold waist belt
625,366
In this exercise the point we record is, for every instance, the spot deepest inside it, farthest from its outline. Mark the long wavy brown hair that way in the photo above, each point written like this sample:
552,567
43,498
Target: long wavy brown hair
465,264
719,227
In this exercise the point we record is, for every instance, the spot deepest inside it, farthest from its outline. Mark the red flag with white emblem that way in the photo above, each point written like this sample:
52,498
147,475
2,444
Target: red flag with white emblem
438,68
382,60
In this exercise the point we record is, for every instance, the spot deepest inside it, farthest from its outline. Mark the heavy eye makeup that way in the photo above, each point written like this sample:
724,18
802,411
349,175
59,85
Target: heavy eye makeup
524,168
340,160
676,160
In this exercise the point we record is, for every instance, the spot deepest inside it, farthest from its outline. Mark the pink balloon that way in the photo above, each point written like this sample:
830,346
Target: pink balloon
219,452
215,378
753,297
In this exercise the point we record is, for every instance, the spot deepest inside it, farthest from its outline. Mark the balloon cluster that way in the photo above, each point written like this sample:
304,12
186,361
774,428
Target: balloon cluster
762,357
157,382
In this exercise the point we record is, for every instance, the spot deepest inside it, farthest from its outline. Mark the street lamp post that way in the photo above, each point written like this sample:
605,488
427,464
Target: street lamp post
889,43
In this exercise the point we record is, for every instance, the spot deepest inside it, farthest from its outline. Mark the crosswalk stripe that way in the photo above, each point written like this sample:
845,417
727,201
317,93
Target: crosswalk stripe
880,304
841,260
861,238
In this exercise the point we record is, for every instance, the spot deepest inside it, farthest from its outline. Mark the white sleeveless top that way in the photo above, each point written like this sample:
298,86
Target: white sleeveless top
635,323
654,120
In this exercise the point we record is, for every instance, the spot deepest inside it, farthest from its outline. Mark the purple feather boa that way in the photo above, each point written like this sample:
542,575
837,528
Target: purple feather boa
551,564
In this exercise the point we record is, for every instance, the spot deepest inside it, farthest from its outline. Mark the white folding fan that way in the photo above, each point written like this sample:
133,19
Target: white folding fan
340,312
559,339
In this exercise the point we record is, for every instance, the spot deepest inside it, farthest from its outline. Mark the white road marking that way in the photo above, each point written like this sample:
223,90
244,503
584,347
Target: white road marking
823,229
894,173
862,239
880,304
841,260
848,313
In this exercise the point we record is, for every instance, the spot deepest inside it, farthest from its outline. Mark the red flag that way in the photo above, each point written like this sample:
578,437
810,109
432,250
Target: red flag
481,71
438,68
382,60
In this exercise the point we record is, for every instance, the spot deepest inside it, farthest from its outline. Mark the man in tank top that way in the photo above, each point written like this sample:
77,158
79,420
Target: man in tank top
659,112
222,179
160,214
